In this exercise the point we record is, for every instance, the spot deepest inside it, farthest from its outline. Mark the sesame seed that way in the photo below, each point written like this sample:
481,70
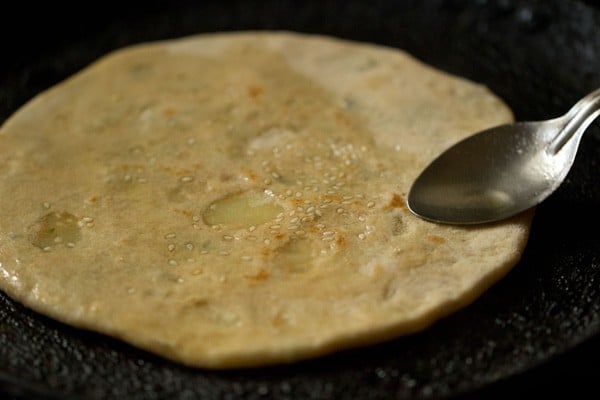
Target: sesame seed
172,262
171,247
47,248
275,175
246,258
179,280
346,202
46,204
328,233
306,219
370,204
186,178
189,246
204,252
267,241
196,226
275,227
288,192
251,228
170,236
292,213
224,253
293,226
142,180
310,209
227,237
57,239
267,181
71,244
300,233
340,210
196,218
328,238
294,220
347,197
361,236
87,219
362,218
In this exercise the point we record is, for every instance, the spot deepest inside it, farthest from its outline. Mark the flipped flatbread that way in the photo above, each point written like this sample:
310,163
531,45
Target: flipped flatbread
236,200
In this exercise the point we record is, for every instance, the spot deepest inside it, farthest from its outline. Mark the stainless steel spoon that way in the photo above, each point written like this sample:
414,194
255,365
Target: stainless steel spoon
501,171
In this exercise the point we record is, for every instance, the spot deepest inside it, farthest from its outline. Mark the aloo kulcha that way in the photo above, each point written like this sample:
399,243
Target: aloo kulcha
238,199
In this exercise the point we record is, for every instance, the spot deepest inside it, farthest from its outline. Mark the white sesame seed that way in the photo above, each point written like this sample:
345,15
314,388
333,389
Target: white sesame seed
275,227
189,246
288,192
275,175
227,237
361,236
327,238
204,252
292,213
57,239
267,241
196,218
246,258
87,219
328,233
224,253
170,236
46,204
362,218
346,202
293,226
251,228
186,178
370,204
47,248
310,209
171,247
142,180
340,210
172,262
71,244
294,220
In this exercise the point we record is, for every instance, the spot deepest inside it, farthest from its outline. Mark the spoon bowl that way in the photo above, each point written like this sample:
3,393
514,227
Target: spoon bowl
501,171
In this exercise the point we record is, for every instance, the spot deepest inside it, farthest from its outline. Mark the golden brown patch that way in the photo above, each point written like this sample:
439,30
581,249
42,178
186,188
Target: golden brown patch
436,239
259,276
169,112
255,91
249,174
187,213
396,202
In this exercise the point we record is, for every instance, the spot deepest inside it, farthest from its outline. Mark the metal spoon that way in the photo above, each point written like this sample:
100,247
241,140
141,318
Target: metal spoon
501,171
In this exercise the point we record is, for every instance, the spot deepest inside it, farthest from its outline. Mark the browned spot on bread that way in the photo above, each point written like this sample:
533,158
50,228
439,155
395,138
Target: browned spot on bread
261,275
396,202
187,213
255,91
436,239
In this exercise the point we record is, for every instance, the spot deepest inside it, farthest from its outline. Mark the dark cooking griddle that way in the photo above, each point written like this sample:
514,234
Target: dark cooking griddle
535,330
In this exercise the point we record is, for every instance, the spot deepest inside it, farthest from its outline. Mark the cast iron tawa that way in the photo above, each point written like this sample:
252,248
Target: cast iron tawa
534,332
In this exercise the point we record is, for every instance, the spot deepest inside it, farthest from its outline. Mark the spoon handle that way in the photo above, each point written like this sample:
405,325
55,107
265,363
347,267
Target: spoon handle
579,117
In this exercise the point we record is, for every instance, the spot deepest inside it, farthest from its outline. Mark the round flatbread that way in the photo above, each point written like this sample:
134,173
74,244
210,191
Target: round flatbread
237,199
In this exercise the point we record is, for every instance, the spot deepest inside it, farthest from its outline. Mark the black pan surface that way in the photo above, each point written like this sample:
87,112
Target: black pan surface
535,332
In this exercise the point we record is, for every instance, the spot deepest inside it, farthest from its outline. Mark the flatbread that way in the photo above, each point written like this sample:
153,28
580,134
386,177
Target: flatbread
238,199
